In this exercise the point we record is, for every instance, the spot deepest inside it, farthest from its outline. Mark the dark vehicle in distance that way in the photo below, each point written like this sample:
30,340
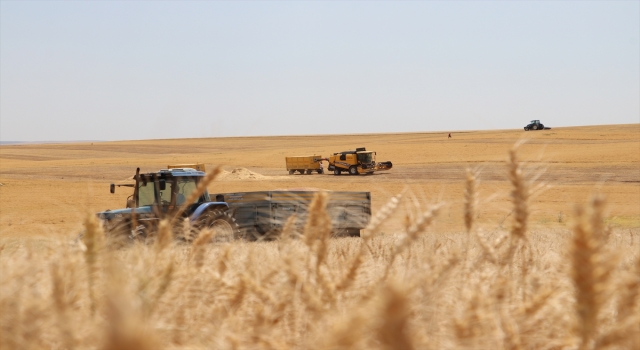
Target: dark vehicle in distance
535,125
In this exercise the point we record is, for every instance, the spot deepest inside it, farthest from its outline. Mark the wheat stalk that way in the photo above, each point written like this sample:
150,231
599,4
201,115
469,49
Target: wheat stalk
392,333
419,226
383,214
61,305
202,186
165,236
590,271
519,196
199,246
470,200
93,240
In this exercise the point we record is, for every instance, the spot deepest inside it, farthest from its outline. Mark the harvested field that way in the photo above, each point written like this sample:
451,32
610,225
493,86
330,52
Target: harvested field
458,261
48,188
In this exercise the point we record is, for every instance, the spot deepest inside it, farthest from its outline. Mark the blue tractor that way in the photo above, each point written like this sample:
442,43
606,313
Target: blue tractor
163,194
535,125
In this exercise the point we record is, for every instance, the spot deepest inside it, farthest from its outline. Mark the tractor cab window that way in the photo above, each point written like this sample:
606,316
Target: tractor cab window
365,158
146,194
185,186
164,196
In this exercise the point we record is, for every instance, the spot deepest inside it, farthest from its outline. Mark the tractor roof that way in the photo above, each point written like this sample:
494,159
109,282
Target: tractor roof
166,173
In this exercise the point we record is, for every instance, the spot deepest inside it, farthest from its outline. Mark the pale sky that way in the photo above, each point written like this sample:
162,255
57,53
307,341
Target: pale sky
110,70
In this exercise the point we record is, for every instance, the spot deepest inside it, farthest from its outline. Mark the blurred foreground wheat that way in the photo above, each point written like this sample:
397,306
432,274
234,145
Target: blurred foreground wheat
411,290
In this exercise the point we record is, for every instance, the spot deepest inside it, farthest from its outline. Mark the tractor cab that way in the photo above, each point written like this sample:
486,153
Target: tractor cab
169,193
535,122
167,189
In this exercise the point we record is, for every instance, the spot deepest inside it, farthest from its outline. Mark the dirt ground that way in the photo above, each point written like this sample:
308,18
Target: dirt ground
48,188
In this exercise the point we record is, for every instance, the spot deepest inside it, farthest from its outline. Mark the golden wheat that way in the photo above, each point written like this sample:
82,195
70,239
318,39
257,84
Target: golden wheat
405,290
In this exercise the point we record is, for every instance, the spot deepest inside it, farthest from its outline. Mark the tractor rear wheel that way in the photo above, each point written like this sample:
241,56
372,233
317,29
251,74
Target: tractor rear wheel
222,223
353,170
535,127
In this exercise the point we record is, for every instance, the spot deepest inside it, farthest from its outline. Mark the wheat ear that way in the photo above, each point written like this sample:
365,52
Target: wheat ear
385,212
392,332
199,246
165,236
414,230
470,201
590,272
519,196
60,302
94,240
202,186
317,230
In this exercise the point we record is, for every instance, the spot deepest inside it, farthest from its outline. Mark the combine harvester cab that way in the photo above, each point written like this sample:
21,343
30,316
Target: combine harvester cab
164,195
356,162
263,214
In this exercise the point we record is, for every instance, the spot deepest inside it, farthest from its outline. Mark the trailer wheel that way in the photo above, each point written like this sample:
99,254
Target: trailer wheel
320,171
301,171
225,226
353,170
291,172
337,171
347,232
353,232
309,171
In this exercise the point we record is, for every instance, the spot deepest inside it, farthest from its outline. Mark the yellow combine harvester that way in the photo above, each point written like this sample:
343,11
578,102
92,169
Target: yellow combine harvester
305,164
198,166
356,162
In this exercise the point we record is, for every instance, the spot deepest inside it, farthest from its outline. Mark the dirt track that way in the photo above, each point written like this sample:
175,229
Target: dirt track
47,188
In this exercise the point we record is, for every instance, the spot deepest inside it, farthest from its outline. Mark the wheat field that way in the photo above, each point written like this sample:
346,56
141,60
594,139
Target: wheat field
489,281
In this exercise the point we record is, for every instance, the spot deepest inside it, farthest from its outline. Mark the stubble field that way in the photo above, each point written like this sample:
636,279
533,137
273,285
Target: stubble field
47,189
455,262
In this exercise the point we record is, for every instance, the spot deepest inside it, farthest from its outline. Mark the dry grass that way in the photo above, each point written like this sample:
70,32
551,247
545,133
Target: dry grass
411,290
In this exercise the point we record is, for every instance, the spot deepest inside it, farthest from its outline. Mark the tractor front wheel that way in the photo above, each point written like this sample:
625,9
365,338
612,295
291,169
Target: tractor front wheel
526,129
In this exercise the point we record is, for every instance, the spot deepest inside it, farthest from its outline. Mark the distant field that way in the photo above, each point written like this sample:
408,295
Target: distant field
432,271
47,188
